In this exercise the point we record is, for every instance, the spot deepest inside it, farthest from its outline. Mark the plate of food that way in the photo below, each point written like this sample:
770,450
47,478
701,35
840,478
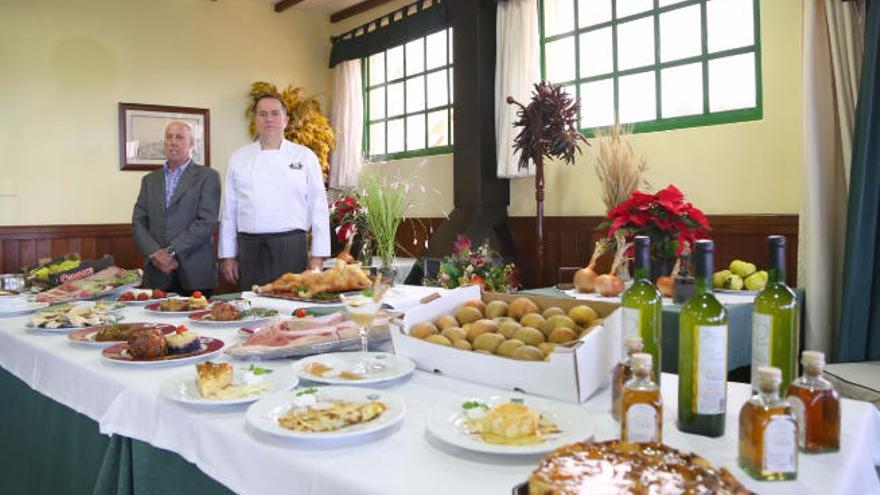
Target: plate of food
107,335
97,285
178,306
509,425
338,368
232,313
141,297
318,286
326,413
19,305
223,384
149,346
68,316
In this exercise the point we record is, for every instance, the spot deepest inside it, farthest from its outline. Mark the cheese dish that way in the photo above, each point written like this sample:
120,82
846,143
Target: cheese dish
331,415
510,423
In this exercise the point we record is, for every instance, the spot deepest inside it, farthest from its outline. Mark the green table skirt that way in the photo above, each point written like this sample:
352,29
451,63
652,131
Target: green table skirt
48,448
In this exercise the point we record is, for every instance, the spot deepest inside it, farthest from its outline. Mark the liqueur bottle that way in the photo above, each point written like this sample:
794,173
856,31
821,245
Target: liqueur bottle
642,305
622,374
702,353
642,410
768,431
775,319
816,407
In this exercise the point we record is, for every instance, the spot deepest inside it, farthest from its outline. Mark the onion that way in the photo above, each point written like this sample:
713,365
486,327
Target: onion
585,279
666,285
608,285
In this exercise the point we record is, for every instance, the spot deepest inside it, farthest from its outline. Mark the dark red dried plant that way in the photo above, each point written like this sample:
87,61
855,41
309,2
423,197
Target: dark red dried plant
549,125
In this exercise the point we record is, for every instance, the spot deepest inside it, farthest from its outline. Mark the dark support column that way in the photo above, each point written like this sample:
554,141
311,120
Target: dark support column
481,198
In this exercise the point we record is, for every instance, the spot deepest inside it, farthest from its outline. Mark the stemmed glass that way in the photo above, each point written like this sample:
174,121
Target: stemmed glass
362,307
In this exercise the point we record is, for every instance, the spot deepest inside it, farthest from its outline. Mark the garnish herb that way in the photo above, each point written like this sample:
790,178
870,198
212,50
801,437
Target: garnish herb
310,390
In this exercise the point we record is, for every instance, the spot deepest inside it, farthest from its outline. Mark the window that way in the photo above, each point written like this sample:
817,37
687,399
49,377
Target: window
656,64
408,99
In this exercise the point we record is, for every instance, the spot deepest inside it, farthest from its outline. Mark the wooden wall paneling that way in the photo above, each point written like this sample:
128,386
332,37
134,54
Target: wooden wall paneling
27,252
59,247
10,255
44,248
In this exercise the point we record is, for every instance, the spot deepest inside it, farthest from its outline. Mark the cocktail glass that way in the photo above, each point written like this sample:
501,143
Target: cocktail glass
363,309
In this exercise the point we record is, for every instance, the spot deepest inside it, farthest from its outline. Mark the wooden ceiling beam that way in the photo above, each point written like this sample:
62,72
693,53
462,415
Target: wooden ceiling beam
358,8
286,4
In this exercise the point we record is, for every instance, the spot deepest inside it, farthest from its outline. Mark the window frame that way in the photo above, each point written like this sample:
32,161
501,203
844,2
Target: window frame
706,118
366,88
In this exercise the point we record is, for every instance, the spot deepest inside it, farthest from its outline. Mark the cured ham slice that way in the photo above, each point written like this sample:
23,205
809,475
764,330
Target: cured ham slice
92,286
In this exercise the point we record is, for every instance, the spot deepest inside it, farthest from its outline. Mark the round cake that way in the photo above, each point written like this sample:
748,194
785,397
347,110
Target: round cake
629,468
182,342
146,343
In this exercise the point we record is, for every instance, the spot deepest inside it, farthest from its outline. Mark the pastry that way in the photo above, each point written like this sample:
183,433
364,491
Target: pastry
213,377
629,468
335,416
183,341
118,332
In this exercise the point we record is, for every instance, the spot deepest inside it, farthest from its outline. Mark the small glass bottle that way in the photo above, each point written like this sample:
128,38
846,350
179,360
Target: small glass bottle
622,373
816,406
768,431
641,414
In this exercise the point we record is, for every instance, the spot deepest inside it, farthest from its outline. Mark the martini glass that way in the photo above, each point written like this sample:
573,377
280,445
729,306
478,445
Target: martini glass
363,309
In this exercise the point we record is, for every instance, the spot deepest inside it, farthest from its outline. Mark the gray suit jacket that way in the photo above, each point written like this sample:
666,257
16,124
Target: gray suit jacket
188,226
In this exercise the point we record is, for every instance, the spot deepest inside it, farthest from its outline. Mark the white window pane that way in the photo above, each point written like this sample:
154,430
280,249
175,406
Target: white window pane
438,128
558,16
592,12
597,103
630,7
377,103
451,87
635,43
664,3
377,139
451,126
415,132
449,37
680,34
559,60
415,94
682,90
638,98
435,45
437,94
395,63
395,136
415,56
395,99
597,53
377,68
732,82
730,24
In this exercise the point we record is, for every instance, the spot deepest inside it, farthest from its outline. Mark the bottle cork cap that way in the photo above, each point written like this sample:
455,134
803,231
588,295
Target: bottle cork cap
641,360
813,358
769,375
633,344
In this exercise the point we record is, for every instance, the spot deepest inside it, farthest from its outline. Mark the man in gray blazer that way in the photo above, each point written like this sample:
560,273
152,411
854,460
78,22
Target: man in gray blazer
175,217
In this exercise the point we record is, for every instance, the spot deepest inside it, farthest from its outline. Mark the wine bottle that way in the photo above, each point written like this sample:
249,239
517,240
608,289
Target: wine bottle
702,353
775,330
642,305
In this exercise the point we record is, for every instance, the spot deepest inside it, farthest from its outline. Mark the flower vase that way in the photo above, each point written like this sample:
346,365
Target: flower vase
388,275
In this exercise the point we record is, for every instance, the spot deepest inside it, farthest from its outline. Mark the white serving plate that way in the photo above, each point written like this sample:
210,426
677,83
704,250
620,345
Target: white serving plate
263,414
184,388
395,367
447,423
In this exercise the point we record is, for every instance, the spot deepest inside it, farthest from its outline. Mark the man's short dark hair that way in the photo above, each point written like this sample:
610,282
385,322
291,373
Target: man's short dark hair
275,97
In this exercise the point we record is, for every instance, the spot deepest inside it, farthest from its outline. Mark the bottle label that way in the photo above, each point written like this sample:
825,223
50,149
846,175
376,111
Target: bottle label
641,424
762,326
780,445
799,411
711,370
630,322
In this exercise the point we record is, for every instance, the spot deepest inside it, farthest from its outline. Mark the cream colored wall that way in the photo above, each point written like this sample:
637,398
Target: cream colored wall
66,64
743,168
433,172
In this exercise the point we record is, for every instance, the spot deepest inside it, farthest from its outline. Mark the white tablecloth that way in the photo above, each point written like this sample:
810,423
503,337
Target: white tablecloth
125,401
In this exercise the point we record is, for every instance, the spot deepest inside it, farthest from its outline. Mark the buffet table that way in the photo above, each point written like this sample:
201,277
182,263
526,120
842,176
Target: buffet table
124,402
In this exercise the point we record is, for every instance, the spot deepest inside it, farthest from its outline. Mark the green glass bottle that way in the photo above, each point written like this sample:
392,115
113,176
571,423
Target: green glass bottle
775,320
702,353
642,305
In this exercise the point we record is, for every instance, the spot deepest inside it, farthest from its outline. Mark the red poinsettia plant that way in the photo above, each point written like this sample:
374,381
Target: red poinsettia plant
347,217
672,223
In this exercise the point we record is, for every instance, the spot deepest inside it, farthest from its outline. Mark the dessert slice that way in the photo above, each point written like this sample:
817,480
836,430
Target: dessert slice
213,377
183,341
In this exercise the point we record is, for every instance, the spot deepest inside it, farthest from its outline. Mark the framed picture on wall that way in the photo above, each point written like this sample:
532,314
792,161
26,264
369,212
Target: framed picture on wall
142,134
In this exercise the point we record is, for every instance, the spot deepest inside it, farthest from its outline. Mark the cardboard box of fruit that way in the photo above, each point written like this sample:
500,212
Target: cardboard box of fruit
554,347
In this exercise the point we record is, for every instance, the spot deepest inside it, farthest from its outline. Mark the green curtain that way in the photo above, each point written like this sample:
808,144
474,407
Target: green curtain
859,338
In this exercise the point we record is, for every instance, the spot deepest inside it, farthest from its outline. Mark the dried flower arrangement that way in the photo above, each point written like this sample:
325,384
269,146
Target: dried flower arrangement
619,170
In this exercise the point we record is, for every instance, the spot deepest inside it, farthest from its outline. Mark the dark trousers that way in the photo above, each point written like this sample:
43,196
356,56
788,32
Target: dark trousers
174,285
262,258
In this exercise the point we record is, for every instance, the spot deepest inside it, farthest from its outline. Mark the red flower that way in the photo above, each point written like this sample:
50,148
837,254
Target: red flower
461,243
476,279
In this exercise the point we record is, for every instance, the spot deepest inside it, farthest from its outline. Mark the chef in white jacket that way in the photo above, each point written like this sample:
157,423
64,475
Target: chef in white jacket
274,195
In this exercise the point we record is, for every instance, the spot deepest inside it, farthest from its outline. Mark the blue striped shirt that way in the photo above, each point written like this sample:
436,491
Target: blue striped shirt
172,177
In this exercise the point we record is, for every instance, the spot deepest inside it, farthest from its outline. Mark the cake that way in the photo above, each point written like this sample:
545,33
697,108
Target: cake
621,467
213,377
197,301
183,341
146,343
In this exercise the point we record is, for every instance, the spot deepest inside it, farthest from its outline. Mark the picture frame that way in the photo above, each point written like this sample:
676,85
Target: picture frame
142,134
